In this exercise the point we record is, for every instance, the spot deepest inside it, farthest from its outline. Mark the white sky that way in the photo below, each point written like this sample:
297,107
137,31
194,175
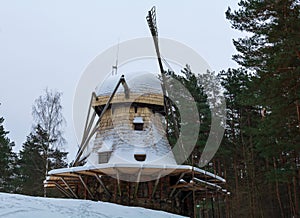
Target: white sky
49,44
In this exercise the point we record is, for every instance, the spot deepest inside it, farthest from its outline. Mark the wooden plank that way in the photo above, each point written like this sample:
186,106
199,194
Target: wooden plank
86,187
102,184
61,189
66,184
174,189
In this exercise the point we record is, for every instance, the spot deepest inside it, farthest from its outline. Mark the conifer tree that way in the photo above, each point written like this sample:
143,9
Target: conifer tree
271,52
34,155
7,161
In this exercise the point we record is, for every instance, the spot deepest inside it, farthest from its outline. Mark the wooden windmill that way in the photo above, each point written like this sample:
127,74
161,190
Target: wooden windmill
130,161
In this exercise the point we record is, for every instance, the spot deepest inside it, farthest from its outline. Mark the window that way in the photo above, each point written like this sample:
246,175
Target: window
138,123
138,126
140,157
104,157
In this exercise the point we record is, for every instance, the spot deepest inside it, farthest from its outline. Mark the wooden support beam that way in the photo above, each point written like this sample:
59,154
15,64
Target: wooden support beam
137,182
212,185
118,182
188,194
62,190
174,189
156,183
66,184
94,130
102,185
126,88
88,120
88,128
86,187
177,193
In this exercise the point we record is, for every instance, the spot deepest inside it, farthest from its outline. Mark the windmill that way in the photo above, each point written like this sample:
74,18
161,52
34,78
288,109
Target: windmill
130,161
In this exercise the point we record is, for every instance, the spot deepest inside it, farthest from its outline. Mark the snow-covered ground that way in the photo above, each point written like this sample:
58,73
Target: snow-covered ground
20,206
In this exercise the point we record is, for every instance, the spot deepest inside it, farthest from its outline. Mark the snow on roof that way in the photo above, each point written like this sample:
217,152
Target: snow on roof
138,82
106,146
138,120
144,166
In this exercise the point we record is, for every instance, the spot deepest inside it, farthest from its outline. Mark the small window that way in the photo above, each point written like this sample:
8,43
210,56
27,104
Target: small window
138,123
140,157
104,157
139,126
135,109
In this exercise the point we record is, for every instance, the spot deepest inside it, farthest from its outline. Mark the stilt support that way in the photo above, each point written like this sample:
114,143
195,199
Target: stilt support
102,185
174,189
86,187
67,185
62,190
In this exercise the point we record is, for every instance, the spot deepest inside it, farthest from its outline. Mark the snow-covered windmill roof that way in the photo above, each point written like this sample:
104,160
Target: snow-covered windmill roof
138,82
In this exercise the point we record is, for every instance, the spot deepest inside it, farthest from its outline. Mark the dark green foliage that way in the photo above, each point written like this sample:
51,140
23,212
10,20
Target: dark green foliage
7,161
194,85
263,127
34,157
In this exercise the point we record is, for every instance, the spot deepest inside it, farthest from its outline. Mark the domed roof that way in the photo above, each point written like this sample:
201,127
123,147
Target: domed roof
138,82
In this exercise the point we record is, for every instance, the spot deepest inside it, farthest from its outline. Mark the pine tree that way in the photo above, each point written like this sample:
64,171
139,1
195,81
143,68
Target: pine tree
7,161
271,53
193,84
34,155
237,152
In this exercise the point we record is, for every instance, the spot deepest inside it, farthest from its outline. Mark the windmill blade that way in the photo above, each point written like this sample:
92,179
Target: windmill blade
151,19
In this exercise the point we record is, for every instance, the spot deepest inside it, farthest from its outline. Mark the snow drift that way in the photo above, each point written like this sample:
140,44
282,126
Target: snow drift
20,206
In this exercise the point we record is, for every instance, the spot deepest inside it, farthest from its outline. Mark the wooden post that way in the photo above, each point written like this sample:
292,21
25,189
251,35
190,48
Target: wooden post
66,184
174,189
155,185
61,189
86,187
102,185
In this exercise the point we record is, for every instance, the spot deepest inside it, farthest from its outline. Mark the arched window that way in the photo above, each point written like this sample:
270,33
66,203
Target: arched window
140,157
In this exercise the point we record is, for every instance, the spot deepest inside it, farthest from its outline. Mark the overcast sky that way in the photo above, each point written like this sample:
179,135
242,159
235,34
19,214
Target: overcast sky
49,44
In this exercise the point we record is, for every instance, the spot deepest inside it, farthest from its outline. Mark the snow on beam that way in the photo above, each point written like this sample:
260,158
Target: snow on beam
209,174
207,183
